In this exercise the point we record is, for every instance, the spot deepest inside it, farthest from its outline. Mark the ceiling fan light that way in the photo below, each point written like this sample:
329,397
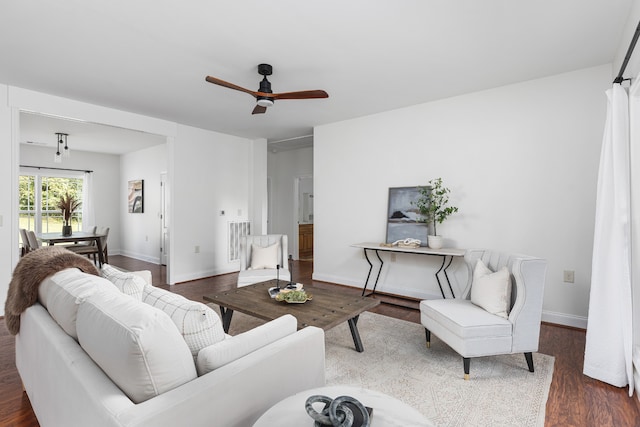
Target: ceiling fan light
265,102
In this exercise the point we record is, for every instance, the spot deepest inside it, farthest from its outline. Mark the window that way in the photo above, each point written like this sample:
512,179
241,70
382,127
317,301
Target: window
39,195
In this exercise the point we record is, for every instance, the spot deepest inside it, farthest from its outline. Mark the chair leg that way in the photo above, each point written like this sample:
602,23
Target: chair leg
529,358
428,336
466,362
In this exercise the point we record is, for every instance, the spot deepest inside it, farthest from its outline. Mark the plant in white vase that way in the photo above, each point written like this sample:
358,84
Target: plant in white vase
434,208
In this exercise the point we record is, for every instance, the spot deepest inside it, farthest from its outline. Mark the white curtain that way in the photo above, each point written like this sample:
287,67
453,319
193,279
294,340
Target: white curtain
608,349
88,212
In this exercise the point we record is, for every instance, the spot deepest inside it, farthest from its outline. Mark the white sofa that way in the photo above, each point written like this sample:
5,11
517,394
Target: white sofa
68,388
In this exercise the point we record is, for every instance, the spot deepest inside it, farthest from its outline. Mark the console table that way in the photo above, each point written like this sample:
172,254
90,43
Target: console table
447,254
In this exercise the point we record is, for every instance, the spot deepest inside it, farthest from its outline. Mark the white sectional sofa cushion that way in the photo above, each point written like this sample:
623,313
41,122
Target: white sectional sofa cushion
130,367
233,348
129,283
135,344
198,324
60,294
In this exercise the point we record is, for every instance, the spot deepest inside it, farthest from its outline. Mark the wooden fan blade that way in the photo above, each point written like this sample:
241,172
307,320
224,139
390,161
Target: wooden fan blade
303,94
259,109
219,82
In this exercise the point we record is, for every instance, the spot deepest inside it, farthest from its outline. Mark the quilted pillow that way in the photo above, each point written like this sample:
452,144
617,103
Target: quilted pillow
61,292
198,324
491,291
129,283
135,344
264,257
233,348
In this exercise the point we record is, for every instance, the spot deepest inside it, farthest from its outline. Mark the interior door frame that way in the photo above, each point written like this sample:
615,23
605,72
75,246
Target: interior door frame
164,219
296,207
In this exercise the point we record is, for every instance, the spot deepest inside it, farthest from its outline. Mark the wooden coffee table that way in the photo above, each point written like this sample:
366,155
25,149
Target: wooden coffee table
326,310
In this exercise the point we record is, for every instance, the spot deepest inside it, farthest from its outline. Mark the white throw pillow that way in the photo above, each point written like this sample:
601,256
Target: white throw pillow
233,348
198,324
61,293
264,257
136,345
129,283
491,291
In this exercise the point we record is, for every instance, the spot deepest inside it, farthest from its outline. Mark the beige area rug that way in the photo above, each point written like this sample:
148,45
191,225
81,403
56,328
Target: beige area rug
395,361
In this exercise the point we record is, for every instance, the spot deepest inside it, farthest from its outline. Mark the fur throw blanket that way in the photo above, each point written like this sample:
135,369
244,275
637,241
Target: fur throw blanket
32,269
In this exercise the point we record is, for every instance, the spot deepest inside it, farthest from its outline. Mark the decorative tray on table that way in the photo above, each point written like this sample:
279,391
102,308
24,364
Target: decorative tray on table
293,296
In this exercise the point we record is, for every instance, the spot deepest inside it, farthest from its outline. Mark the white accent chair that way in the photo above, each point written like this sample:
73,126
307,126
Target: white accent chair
249,275
473,332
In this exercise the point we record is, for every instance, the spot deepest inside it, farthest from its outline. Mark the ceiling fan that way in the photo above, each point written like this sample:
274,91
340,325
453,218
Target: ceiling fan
264,95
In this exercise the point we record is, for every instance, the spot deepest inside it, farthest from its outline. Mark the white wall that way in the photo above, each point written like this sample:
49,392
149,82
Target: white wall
207,171
140,232
8,192
283,168
106,175
633,67
521,161
211,173
258,200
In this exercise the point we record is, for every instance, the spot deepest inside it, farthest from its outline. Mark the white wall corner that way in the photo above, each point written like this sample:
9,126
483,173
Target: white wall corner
258,203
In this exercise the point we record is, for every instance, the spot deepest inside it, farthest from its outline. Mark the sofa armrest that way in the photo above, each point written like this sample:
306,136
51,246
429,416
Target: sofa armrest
237,394
230,349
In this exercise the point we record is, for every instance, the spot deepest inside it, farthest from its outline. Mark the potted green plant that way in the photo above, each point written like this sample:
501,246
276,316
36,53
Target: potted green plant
67,204
433,205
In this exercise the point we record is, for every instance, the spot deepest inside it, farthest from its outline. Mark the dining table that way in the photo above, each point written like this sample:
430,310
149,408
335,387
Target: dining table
77,236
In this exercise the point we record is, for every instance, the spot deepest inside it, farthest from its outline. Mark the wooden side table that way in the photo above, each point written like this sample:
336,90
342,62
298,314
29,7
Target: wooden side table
387,411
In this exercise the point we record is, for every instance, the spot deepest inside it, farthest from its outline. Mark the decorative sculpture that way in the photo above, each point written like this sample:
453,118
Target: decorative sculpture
338,412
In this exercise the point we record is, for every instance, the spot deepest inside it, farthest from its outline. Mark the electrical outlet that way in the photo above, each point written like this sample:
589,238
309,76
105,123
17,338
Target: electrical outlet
569,276
196,249
222,213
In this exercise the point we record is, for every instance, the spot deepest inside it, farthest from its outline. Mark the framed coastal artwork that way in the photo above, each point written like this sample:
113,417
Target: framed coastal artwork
403,216
136,196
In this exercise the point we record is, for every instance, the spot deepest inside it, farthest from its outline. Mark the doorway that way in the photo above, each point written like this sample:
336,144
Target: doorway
164,221
304,198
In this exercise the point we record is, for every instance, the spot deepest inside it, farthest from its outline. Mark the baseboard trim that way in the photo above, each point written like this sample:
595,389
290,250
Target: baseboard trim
197,275
387,289
140,257
571,320
564,319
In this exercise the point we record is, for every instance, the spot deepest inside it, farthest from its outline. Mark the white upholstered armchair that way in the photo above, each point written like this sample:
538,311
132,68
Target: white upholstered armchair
474,331
259,256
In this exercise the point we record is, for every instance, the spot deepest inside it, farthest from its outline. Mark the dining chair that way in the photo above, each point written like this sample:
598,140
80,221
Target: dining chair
34,243
79,246
25,242
91,250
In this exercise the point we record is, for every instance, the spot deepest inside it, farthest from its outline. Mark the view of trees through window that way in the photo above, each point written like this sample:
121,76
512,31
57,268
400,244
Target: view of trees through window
39,196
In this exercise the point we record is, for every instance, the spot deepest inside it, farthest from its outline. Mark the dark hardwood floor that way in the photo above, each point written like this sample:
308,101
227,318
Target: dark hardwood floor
574,399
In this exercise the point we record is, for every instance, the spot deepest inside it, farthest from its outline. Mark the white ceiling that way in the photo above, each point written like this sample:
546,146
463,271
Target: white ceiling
41,131
151,57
